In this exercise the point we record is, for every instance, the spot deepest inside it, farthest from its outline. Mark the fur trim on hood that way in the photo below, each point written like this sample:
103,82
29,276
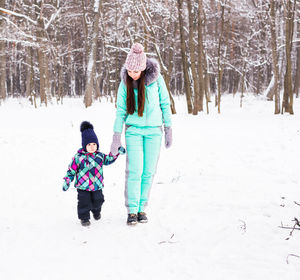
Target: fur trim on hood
152,71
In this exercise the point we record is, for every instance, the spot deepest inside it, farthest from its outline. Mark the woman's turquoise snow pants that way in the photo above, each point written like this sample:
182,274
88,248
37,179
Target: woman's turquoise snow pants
143,148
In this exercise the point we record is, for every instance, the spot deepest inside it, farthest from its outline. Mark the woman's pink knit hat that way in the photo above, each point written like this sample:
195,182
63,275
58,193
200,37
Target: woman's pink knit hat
136,58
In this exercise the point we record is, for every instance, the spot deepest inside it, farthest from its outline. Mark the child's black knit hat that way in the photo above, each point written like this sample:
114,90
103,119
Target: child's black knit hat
88,135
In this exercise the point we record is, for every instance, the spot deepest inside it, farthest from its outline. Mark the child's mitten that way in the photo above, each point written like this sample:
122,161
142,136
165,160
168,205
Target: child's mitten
122,150
168,137
66,184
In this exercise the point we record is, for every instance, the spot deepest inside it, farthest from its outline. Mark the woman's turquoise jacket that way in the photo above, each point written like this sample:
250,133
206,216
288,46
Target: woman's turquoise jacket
157,102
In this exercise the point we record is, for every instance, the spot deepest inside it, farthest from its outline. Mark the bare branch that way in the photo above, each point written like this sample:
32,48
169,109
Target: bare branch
53,17
291,255
17,15
297,223
168,241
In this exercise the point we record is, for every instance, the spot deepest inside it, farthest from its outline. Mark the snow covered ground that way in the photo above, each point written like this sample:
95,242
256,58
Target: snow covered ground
220,194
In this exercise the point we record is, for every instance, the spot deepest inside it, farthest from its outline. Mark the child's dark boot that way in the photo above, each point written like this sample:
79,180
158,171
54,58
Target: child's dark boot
85,223
97,216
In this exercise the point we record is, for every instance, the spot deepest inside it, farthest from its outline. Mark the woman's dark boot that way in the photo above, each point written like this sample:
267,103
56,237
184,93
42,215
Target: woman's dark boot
142,218
132,219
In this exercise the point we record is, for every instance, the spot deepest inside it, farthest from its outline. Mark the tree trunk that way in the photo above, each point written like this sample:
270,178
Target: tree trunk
201,58
30,77
184,60
274,56
60,81
220,65
41,62
242,85
2,60
170,67
287,105
193,59
47,77
88,99
206,79
297,75
85,28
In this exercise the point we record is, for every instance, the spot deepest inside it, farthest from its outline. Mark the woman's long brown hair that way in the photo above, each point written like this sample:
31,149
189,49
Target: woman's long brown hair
141,95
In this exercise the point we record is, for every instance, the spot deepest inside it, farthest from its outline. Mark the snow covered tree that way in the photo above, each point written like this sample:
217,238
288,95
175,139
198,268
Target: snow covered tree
297,72
184,56
274,55
287,103
91,67
2,55
68,48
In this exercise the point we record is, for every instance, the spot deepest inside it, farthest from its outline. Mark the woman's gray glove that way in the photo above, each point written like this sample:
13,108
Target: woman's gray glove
116,143
168,136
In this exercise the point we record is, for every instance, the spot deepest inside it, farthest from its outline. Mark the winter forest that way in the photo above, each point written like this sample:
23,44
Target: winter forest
224,201
52,49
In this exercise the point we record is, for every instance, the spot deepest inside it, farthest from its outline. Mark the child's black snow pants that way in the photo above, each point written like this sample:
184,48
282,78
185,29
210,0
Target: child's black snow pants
89,201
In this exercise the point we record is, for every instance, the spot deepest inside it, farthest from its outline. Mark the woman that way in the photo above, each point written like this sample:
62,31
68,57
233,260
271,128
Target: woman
143,104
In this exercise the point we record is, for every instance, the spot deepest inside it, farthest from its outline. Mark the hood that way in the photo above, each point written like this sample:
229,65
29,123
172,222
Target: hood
151,72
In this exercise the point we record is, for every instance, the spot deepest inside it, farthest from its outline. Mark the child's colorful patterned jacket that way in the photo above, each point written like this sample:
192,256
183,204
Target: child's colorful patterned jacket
88,169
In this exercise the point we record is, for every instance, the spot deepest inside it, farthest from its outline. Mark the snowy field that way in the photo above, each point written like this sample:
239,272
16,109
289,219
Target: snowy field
219,197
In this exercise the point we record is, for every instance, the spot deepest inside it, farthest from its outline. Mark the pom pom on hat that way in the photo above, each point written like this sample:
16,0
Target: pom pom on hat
136,58
137,48
88,135
85,125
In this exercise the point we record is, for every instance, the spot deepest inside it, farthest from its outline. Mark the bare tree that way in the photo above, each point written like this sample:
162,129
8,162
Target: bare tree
30,77
187,81
48,47
166,69
203,81
220,63
287,103
90,78
2,57
192,56
297,74
274,56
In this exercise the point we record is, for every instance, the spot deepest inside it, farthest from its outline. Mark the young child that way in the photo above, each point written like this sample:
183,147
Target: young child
87,167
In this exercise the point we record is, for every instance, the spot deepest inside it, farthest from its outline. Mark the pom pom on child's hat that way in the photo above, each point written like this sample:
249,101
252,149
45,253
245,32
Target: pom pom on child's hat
136,58
88,135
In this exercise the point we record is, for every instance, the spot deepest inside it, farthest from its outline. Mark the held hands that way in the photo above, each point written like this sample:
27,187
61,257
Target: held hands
116,143
168,136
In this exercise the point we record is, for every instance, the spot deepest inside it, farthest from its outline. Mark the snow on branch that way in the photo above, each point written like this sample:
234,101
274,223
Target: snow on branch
118,48
149,26
17,15
21,31
53,17
142,16
238,71
24,43
283,45
96,6
160,58
147,15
